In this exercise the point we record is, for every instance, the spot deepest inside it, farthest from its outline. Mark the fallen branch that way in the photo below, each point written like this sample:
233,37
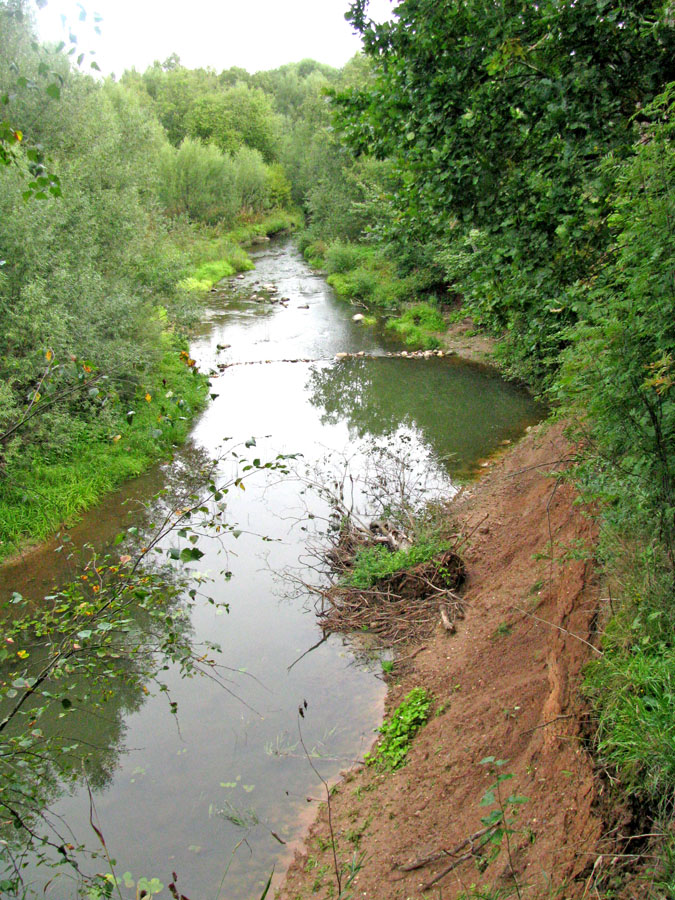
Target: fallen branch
422,861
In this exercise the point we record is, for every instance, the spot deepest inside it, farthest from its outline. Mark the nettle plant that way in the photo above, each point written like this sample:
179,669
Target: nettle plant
99,643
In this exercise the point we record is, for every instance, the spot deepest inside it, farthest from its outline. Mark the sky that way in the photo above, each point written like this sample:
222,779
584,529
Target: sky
252,34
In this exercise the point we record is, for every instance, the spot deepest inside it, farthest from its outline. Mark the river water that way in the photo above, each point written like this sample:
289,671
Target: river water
201,793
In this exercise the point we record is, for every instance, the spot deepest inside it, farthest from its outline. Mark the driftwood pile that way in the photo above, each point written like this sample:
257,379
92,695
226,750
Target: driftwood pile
402,606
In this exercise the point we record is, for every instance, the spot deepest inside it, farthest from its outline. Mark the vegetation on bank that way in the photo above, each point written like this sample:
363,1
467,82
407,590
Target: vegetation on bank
535,180
399,729
531,179
103,272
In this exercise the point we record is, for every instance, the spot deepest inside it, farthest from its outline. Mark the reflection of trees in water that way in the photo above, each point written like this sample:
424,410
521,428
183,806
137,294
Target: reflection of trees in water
69,734
81,657
462,410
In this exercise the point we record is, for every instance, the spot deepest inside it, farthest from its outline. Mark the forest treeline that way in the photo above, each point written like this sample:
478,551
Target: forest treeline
505,160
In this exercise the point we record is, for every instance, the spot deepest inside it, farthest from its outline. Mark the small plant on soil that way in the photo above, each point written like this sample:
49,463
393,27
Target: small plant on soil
500,819
399,730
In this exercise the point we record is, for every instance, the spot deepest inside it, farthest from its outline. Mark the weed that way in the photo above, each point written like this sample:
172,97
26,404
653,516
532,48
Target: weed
354,835
318,880
373,563
417,324
502,630
399,730
498,819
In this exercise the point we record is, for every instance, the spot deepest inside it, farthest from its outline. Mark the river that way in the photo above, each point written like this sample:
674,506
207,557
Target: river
202,793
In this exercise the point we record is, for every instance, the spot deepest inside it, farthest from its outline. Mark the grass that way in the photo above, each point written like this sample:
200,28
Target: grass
214,254
399,729
632,689
373,563
40,493
417,326
361,273
635,697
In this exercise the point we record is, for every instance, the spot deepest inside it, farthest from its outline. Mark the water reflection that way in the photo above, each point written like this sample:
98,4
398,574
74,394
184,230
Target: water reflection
462,411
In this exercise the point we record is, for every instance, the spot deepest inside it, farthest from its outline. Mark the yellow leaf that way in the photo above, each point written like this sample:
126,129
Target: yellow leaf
49,356
36,398
22,654
242,486
18,135
118,437
148,397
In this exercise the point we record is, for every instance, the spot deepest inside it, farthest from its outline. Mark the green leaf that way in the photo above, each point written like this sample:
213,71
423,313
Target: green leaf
189,554
53,91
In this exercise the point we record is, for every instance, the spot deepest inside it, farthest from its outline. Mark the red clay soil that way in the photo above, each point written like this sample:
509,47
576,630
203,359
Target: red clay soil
507,685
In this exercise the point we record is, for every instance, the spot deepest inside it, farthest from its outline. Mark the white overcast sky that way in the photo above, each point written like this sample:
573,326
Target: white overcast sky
253,34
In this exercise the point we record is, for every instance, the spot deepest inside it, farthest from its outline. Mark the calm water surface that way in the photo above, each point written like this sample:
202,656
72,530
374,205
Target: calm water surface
165,787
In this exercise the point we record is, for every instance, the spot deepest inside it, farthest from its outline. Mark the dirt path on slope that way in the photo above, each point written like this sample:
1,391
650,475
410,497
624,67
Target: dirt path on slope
505,685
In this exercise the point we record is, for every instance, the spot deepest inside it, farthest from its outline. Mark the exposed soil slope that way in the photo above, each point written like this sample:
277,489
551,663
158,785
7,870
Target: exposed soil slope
505,685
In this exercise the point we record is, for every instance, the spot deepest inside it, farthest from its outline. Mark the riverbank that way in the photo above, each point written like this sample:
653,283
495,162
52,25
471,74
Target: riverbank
507,686
54,482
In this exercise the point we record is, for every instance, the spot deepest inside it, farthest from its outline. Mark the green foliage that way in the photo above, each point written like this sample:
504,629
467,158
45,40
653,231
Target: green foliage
200,182
497,144
617,382
343,257
636,734
618,376
417,326
44,488
361,272
197,180
497,820
373,563
399,730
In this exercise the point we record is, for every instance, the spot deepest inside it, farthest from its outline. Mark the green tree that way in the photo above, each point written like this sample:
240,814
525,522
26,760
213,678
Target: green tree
496,115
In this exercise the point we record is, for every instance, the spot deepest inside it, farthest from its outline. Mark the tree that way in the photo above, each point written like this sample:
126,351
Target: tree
496,115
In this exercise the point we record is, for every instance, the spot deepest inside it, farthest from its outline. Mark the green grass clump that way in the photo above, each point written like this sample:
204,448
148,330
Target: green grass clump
399,730
373,563
417,326
274,222
632,688
364,273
